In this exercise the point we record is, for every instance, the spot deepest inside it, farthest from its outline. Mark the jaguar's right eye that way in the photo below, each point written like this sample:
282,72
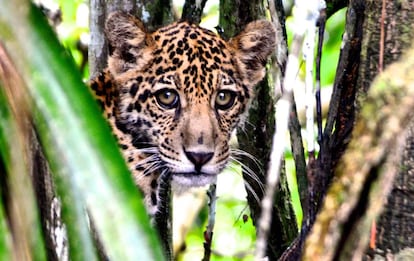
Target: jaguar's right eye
167,98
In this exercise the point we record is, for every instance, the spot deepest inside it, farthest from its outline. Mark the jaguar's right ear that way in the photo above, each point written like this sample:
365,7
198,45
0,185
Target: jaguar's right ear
128,43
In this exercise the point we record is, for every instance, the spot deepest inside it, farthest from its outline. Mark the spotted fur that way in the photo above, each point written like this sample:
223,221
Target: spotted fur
174,96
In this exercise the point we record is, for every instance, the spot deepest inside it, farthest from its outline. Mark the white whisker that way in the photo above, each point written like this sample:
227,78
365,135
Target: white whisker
151,163
239,152
153,168
149,150
248,171
249,188
150,159
141,176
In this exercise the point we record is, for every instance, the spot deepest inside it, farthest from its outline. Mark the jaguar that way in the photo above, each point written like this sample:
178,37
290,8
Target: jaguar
174,96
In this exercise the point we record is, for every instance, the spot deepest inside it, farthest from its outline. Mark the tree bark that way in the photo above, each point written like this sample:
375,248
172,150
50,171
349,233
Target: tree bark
193,10
49,204
389,33
255,137
395,227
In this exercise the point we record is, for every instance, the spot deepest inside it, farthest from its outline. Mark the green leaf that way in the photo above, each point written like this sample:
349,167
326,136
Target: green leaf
81,150
7,128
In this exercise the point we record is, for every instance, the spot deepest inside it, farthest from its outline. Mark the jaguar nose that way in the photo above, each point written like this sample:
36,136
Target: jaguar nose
199,158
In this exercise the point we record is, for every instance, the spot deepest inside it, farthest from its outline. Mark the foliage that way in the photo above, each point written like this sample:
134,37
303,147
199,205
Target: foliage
88,169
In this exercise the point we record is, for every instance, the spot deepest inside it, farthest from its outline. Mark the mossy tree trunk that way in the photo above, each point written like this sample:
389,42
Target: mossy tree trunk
255,137
390,28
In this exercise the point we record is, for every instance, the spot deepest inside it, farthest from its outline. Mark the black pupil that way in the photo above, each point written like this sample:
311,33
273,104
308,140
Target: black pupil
167,98
223,96
167,95
224,100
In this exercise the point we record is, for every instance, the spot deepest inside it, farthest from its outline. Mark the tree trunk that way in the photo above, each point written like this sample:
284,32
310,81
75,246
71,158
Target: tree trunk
193,10
255,137
390,34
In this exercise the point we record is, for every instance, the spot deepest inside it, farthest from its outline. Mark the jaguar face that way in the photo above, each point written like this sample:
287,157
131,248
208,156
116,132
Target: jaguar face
181,91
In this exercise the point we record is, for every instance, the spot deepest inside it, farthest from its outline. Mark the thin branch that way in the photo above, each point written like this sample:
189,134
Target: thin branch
308,53
278,18
295,130
322,22
372,241
163,218
208,234
346,75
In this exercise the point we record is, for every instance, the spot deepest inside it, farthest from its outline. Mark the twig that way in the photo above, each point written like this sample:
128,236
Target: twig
163,219
295,130
322,21
208,234
308,53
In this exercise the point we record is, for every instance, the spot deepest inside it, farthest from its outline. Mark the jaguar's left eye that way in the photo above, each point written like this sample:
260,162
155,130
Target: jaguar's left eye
167,98
225,99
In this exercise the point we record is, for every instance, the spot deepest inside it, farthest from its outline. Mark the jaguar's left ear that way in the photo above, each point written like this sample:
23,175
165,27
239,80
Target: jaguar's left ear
252,48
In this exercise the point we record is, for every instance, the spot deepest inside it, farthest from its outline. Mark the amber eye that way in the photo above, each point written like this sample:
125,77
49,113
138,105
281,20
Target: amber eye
167,98
225,99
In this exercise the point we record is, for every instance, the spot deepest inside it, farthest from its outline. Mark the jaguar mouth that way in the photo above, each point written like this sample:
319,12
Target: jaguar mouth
193,179
191,174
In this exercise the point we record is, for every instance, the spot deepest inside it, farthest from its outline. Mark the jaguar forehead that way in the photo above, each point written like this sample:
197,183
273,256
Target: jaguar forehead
197,53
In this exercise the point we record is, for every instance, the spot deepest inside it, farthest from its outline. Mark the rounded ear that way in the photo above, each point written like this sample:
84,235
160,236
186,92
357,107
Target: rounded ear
127,43
252,48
